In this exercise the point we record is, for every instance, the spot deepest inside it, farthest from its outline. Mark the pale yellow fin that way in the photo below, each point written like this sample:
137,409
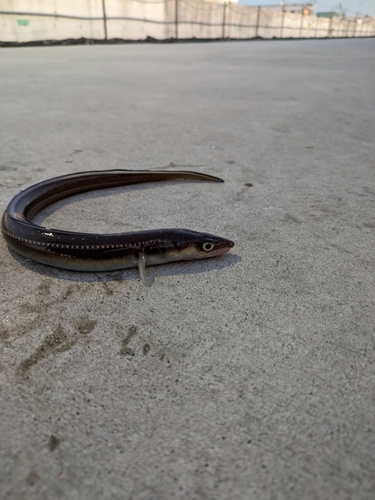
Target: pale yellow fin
142,267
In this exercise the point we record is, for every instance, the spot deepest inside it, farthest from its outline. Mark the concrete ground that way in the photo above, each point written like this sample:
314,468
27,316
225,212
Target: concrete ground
249,376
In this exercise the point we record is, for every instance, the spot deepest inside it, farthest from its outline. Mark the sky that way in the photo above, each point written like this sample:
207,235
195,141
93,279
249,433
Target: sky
351,7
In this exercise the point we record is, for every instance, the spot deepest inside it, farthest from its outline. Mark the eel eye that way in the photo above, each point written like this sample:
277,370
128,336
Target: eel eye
207,247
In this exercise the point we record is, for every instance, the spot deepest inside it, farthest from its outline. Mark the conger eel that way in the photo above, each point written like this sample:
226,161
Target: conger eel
102,252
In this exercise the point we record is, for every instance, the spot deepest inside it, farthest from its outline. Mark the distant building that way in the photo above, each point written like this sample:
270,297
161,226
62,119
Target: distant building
219,1
329,15
307,9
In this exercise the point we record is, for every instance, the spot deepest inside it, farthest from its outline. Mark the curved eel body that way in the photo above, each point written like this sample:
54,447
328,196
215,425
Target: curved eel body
101,252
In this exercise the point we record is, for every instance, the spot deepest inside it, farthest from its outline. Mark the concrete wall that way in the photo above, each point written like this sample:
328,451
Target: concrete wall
200,19
137,20
21,20
240,21
34,20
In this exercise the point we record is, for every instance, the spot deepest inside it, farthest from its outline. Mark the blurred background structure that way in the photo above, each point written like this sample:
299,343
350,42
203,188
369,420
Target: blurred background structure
42,20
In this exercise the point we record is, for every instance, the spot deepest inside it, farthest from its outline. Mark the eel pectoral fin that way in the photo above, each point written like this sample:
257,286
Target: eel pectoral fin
142,267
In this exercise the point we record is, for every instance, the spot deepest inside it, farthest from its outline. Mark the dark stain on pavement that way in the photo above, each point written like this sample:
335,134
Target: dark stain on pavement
53,442
56,342
70,291
84,324
368,190
44,287
4,332
32,478
146,349
125,350
290,218
33,312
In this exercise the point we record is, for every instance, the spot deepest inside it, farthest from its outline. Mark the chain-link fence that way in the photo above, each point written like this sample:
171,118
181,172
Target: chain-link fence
164,20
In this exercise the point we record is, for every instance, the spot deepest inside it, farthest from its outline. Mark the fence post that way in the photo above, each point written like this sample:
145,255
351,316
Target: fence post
257,25
300,28
224,11
176,19
282,24
330,28
104,20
